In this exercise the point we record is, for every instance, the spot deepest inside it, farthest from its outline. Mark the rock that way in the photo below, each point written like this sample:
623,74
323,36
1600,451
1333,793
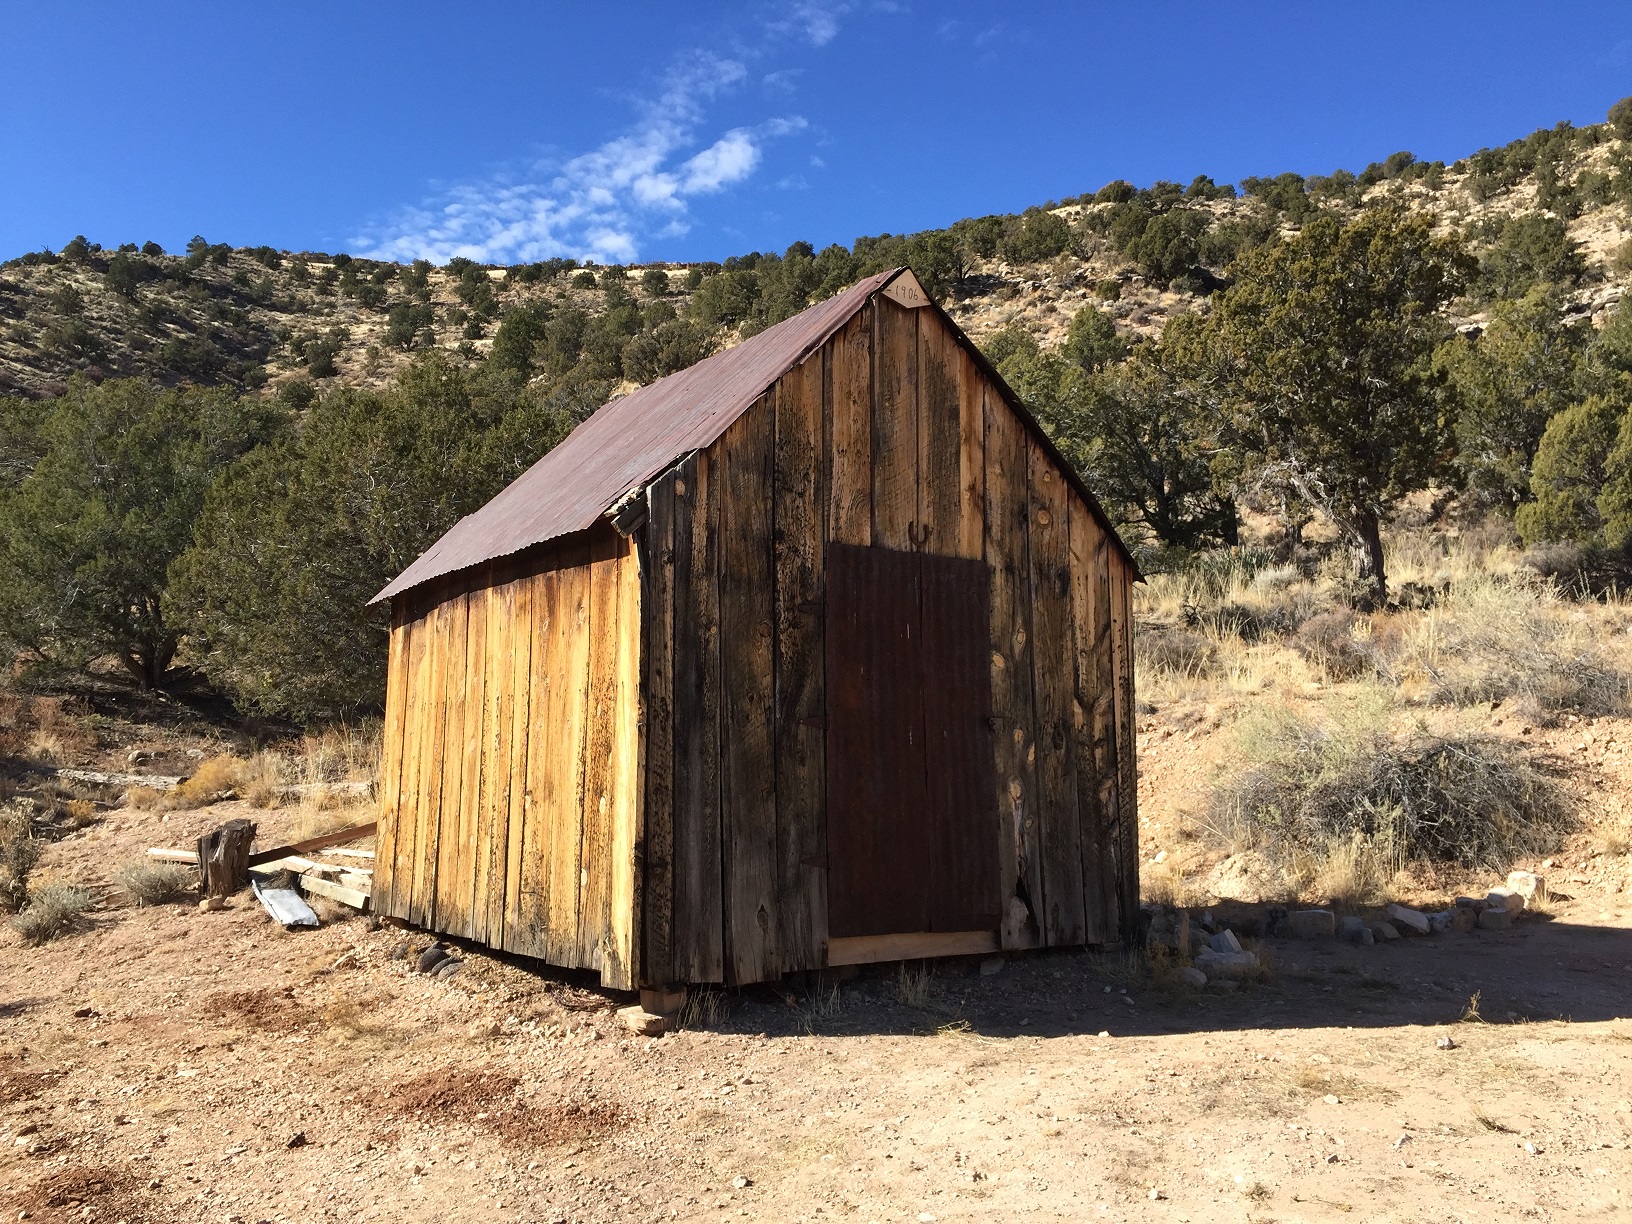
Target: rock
447,968
1387,932
1466,903
1405,916
1224,941
212,905
431,958
642,1022
296,1140
1311,924
401,951
1445,1043
1509,899
1367,939
741,1183
1192,977
1231,965
1351,928
485,1030
138,756
1495,920
1463,919
991,965
1441,922
1528,885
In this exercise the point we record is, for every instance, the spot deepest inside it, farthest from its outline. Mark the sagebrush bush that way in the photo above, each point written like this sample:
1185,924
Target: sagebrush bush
1329,643
153,883
1166,649
52,911
1314,791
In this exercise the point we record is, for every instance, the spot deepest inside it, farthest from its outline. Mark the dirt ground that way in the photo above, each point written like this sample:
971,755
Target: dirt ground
167,1064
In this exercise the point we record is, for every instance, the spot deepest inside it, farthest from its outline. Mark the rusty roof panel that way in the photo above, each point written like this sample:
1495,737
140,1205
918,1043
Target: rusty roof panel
630,440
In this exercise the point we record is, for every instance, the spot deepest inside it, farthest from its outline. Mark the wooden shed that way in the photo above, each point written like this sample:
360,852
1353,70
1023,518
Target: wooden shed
815,653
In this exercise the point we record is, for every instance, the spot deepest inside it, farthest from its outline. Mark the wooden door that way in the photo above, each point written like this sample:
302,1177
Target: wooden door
912,837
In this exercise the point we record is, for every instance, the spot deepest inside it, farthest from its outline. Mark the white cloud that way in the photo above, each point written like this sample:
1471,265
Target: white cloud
817,23
600,204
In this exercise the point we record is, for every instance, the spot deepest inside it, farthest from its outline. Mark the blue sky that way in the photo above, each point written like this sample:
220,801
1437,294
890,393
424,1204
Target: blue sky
511,131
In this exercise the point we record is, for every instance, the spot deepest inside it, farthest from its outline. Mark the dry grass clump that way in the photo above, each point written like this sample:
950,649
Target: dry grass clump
703,1009
1342,805
342,753
215,779
19,851
1166,650
52,911
1492,637
912,985
154,883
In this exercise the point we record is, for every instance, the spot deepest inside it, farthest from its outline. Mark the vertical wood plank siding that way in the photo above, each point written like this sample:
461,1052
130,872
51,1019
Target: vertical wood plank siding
611,753
512,737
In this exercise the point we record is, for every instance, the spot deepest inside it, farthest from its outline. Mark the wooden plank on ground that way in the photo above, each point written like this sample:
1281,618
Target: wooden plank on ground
618,964
939,437
173,856
1087,556
600,746
1052,653
919,945
698,908
799,514
747,649
356,898
971,459
1007,553
849,391
338,837
657,624
895,426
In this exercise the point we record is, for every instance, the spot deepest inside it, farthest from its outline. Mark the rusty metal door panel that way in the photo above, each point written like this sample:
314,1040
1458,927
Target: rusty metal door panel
878,879
912,836
957,688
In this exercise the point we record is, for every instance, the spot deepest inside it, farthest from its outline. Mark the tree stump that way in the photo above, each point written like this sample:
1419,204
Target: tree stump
223,858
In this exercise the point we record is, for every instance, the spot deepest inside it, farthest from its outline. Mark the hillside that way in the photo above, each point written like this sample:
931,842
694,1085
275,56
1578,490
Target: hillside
259,318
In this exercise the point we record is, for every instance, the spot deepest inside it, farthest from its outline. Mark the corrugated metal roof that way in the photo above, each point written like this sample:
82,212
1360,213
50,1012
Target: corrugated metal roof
631,440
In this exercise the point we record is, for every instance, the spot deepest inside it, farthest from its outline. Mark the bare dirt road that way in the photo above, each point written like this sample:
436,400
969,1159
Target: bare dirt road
167,1064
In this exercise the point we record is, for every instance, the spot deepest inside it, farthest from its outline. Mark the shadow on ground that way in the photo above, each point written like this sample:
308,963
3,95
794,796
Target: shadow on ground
1540,970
